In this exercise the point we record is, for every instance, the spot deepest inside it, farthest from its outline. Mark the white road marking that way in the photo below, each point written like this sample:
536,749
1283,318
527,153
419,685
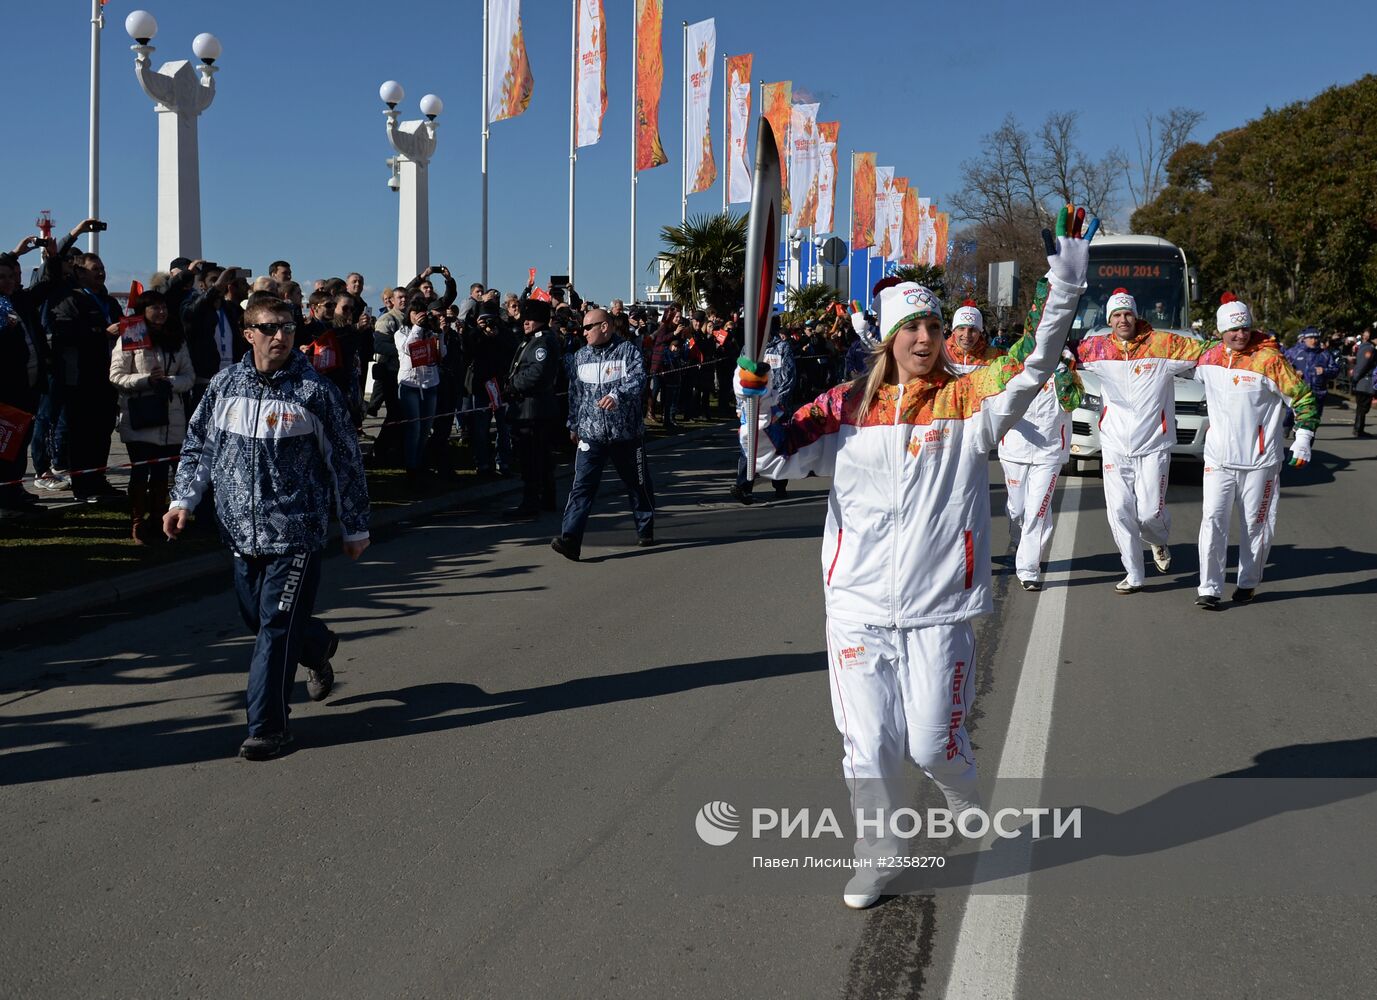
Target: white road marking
985,964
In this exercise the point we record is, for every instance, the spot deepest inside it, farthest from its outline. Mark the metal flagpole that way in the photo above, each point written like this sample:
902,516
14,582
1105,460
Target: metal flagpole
483,268
683,132
573,133
635,82
726,137
851,225
93,167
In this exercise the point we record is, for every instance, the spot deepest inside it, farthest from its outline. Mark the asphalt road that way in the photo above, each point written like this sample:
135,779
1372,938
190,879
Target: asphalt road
497,800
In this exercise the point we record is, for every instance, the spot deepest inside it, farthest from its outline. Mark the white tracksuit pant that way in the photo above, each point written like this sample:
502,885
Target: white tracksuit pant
1135,498
1030,489
1254,493
895,689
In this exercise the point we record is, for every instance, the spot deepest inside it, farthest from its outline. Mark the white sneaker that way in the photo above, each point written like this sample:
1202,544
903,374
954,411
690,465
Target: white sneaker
862,891
1124,587
860,900
53,481
1161,557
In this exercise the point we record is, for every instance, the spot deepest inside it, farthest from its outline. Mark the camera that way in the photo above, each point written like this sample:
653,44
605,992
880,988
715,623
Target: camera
100,227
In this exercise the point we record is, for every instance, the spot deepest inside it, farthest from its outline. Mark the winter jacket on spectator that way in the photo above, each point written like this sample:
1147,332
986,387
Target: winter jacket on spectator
130,373
779,355
1364,361
534,372
417,376
273,444
385,361
487,357
615,369
659,344
213,328
1305,361
81,347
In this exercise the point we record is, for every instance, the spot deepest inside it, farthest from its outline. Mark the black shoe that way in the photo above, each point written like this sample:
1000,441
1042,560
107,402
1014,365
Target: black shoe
1209,602
781,491
566,546
265,747
321,680
646,541
741,496
1243,595
521,512
1031,585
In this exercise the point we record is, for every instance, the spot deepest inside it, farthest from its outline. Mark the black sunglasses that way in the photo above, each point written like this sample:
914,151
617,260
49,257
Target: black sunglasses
589,326
273,329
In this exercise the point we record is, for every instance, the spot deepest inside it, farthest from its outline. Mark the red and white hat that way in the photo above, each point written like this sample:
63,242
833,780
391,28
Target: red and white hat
1233,314
902,302
1120,300
968,315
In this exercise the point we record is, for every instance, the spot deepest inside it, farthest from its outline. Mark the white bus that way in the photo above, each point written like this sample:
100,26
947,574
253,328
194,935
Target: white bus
1157,275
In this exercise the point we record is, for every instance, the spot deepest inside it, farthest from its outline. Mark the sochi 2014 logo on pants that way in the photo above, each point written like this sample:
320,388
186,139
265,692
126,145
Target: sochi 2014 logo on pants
717,824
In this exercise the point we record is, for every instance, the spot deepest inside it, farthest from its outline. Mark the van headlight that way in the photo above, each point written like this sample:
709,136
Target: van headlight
1091,402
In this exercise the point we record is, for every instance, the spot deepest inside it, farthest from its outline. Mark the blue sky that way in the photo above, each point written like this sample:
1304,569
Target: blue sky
292,150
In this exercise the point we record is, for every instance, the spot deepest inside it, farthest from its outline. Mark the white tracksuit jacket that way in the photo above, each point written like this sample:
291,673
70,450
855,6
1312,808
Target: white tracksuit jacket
1249,392
1042,436
908,519
1138,413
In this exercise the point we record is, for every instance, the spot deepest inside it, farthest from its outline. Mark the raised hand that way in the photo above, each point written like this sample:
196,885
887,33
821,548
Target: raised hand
1068,254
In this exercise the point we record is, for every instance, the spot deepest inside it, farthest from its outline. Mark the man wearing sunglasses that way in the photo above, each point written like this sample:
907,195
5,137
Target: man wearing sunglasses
606,421
275,441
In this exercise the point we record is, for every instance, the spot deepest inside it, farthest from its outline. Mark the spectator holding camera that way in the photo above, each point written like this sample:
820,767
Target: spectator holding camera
420,351
151,369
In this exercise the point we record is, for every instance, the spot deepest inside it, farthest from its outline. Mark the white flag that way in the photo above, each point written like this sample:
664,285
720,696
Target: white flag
895,222
509,73
592,73
702,53
884,205
738,165
803,163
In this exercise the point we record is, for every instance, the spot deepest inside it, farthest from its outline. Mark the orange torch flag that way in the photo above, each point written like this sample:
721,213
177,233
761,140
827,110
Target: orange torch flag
909,254
777,110
650,73
863,200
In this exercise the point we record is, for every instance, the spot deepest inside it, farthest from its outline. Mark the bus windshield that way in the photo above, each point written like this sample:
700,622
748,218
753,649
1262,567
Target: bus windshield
1154,276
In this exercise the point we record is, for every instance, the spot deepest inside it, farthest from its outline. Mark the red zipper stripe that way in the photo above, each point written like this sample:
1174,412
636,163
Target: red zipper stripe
1260,440
970,560
1164,420
835,556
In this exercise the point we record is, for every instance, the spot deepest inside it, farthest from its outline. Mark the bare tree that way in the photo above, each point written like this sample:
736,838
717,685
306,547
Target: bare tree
1072,177
1161,137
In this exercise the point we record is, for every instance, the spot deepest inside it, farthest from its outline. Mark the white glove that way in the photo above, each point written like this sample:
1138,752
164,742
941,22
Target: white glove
1069,266
1300,448
769,400
859,324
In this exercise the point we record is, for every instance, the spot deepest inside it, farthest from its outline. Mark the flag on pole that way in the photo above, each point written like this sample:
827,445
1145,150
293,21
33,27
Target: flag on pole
777,102
910,225
592,73
650,73
827,175
943,228
702,55
886,236
863,200
738,127
895,219
509,73
803,163
924,228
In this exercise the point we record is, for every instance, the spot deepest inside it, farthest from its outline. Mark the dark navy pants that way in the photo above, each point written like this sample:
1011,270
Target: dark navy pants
628,458
276,596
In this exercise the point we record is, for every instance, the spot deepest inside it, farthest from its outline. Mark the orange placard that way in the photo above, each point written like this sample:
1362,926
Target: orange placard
423,352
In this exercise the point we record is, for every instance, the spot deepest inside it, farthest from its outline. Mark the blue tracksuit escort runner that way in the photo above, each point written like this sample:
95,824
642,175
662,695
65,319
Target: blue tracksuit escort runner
614,370
280,450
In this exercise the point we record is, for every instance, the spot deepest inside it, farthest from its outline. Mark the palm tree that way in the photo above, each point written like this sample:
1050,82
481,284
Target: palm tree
930,276
808,302
707,262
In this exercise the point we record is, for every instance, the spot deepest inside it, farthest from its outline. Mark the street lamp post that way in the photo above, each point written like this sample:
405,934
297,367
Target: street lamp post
414,142
179,97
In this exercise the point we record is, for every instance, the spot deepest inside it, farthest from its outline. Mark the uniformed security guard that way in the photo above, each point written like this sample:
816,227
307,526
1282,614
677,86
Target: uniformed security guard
533,409
606,420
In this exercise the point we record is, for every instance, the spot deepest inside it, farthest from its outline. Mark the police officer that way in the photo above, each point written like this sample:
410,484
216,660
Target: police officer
606,384
533,409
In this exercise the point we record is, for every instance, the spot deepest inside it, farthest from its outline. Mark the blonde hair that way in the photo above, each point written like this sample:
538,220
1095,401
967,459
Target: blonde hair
881,368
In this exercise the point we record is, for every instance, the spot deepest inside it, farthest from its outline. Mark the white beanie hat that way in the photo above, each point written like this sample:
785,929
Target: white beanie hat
1232,314
1120,300
905,301
968,315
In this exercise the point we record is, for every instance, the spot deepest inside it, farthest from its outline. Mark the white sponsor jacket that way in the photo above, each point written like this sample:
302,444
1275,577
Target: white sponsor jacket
908,518
1042,436
1138,401
1248,393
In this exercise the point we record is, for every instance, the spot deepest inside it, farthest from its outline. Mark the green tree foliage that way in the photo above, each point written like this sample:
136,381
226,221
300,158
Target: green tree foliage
707,261
930,276
1283,211
808,302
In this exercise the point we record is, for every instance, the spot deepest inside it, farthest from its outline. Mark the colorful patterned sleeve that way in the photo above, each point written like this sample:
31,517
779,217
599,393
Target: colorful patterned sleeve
1069,388
1181,353
1024,347
1297,393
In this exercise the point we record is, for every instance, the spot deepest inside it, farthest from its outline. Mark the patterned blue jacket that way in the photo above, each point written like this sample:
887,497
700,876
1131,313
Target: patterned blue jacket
779,355
278,448
616,368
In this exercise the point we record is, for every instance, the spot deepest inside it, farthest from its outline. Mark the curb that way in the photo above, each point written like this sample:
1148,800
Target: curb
58,605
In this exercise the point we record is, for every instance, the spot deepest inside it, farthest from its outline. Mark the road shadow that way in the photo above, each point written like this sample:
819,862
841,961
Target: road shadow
86,748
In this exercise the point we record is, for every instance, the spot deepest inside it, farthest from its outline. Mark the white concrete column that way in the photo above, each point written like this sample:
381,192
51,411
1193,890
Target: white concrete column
414,142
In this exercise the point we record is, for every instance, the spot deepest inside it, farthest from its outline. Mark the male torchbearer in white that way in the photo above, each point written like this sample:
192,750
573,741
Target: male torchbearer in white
1248,384
180,98
414,142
